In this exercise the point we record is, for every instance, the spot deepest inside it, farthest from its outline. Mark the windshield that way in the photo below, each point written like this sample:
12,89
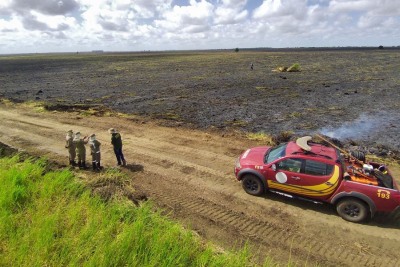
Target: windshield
275,153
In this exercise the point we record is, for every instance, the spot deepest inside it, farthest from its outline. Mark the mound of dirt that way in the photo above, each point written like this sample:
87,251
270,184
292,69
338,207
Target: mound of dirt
7,151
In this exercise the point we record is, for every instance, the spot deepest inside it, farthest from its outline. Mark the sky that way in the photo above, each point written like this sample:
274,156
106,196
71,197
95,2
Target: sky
37,26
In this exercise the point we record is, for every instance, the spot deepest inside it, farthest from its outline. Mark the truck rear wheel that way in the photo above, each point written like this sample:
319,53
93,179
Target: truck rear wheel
352,210
252,185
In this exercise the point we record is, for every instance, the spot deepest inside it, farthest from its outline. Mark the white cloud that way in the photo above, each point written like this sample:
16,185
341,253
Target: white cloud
375,7
150,8
234,3
231,12
184,18
288,18
10,26
57,23
377,23
48,7
191,24
350,5
280,8
331,23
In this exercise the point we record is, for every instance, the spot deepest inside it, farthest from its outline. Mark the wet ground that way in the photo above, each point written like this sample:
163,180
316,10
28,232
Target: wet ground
347,94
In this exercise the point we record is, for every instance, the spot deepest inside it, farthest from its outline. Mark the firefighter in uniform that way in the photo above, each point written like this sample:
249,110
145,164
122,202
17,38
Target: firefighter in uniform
81,149
70,145
116,141
94,145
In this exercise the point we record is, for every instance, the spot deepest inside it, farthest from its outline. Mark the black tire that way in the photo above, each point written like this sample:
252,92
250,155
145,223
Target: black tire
358,155
352,210
253,185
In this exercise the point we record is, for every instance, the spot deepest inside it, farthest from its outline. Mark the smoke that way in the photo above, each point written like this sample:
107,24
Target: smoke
364,127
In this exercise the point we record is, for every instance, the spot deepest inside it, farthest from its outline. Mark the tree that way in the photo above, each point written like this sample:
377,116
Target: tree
236,49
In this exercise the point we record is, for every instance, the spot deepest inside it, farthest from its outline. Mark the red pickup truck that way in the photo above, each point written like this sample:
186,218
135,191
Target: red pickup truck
320,173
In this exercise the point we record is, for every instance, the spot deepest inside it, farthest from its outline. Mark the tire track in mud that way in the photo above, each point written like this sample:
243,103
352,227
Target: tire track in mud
20,135
30,119
187,170
203,171
178,149
271,235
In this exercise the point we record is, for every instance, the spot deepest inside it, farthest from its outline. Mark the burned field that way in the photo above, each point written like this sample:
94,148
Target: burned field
348,94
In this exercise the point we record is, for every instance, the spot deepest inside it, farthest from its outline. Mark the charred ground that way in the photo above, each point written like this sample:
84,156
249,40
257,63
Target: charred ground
348,94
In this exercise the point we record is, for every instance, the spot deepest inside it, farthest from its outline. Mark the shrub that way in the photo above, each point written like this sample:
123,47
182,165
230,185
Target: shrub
263,137
294,68
281,69
283,137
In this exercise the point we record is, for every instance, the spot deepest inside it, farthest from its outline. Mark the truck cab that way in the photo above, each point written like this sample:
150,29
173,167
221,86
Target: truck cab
320,173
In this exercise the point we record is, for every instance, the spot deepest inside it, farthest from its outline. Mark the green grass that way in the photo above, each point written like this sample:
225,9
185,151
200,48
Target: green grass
294,68
262,137
236,123
294,114
49,218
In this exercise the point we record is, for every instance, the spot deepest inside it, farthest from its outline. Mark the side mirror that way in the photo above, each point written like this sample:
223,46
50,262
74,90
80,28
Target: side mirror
273,167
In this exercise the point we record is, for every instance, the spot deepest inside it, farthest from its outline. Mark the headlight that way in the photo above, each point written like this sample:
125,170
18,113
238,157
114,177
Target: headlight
237,163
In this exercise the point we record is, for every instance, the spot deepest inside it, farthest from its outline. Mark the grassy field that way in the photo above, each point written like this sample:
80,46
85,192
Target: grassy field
48,218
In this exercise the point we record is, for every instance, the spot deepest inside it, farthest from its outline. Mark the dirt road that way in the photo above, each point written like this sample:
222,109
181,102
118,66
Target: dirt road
190,174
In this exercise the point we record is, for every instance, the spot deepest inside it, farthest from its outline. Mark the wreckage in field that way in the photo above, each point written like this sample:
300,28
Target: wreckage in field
320,173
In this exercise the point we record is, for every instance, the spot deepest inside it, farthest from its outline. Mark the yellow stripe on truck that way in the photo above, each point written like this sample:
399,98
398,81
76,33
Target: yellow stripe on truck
313,190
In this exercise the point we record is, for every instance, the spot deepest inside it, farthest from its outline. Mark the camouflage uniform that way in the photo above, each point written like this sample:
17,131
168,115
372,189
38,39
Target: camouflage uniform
80,149
95,152
70,145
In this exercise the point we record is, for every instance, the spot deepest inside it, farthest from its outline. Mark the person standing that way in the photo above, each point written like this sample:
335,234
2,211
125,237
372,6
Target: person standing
95,152
116,141
70,145
81,149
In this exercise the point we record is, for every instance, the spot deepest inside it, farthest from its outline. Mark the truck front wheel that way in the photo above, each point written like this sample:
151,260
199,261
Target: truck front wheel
352,210
252,185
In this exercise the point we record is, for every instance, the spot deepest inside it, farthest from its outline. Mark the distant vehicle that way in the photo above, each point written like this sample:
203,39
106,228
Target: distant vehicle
320,173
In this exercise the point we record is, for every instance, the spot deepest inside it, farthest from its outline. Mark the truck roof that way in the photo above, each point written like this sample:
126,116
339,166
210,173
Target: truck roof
320,150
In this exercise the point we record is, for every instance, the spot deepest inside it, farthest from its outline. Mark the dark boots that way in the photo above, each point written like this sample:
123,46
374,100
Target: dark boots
82,165
72,163
96,166
99,167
